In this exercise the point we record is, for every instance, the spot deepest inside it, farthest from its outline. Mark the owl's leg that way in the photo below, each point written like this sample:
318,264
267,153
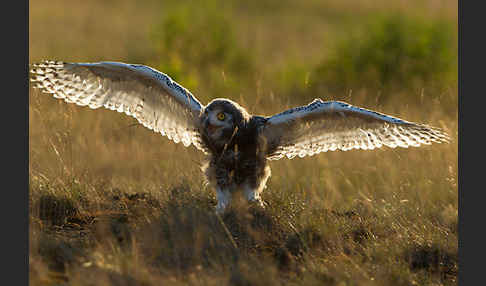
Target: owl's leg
253,188
224,199
224,188
252,194
220,180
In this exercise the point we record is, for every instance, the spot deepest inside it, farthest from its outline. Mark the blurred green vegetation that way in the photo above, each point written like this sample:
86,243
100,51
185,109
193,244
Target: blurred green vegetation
395,54
197,44
394,51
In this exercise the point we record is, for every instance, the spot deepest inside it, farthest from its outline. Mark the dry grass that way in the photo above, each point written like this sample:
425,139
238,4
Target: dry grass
115,204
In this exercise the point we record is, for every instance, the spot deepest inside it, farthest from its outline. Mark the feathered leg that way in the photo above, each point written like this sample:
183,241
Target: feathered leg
220,180
224,199
252,189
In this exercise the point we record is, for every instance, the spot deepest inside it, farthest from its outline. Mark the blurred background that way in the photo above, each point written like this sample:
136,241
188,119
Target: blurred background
396,57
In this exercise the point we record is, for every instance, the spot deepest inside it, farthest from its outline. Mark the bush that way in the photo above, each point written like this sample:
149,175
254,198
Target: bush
198,39
393,51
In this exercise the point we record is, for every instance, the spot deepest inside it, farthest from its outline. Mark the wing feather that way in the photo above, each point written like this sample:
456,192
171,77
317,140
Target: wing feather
323,126
151,97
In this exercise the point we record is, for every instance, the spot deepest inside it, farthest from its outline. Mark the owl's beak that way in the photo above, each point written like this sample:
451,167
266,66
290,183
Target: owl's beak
212,128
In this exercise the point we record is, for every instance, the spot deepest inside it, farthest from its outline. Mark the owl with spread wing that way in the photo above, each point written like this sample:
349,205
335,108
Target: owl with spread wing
237,144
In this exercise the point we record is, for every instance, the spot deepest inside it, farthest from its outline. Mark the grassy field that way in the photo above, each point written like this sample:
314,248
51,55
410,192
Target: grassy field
112,203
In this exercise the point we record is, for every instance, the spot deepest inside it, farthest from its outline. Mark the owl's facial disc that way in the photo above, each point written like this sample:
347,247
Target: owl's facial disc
217,123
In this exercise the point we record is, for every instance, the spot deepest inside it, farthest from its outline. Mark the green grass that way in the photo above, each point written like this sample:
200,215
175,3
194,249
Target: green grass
116,204
393,50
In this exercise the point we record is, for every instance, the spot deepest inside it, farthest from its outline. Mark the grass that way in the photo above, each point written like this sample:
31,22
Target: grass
115,204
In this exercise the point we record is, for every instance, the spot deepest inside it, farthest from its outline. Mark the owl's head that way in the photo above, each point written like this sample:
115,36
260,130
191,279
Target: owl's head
222,118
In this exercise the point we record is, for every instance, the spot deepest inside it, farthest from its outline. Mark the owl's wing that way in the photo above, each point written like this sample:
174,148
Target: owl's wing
153,98
323,126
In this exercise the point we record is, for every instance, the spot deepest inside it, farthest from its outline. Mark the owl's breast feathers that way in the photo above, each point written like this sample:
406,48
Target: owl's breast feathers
245,156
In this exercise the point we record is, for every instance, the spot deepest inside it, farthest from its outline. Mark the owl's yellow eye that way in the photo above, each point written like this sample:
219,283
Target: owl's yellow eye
221,116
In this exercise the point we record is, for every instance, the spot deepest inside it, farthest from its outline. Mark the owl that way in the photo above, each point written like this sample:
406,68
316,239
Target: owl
237,144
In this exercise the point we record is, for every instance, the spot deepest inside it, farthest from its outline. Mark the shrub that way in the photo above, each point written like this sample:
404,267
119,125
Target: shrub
199,39
391,51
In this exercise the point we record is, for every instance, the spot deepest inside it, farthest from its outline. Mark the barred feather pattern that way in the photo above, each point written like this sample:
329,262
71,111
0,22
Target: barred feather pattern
151,97
323,126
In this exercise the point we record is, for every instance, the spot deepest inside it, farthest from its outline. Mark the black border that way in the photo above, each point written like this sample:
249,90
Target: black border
471,109
15,143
